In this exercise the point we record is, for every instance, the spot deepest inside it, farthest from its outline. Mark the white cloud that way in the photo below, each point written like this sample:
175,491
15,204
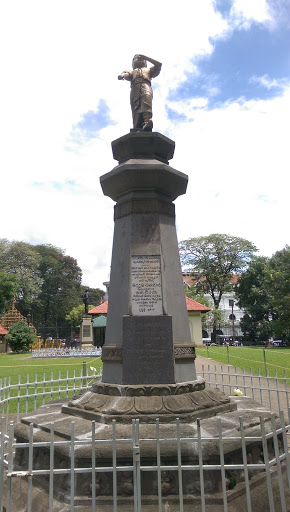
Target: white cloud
270,83
247,11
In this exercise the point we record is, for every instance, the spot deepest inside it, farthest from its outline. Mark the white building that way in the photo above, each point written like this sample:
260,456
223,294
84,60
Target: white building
228,305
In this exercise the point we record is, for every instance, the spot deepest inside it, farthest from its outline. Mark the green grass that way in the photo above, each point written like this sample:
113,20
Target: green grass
29,370
277,359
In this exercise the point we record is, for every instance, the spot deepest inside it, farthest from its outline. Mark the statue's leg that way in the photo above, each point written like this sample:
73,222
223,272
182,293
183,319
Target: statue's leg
148,123
137,120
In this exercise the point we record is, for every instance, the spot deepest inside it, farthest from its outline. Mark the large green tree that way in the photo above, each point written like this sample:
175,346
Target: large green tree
20,260
60,289
264,292
212,260
8,288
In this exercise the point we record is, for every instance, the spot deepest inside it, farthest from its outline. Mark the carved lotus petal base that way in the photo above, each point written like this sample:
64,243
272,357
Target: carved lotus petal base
188,401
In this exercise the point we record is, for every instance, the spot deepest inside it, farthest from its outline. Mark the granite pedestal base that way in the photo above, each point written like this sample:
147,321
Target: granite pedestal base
187,400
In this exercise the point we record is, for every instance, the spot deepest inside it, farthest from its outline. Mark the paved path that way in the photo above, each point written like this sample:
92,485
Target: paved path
271,392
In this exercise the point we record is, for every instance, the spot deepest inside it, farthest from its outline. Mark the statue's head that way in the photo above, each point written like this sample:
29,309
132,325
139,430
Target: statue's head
138,62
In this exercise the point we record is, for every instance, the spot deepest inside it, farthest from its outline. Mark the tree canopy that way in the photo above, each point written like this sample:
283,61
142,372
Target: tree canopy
213,260
20,262
8,288
45,281
264,292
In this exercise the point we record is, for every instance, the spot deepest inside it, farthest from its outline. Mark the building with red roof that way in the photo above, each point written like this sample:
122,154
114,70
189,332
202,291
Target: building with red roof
194,309
3,332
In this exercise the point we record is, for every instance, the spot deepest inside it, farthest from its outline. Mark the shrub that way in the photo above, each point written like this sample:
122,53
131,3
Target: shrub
20,337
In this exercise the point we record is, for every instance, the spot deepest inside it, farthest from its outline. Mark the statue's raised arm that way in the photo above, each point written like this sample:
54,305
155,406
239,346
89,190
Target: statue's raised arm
141,91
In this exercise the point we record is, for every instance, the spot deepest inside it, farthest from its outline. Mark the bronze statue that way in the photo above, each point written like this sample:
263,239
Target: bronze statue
85,298
141,91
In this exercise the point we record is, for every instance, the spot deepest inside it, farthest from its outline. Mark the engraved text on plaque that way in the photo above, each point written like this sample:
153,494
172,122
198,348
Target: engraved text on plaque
146,285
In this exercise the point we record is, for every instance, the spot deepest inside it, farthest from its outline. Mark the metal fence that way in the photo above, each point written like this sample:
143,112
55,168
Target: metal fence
272,392
182,485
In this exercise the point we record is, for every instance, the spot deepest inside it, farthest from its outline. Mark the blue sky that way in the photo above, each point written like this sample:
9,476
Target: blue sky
223,96
235,67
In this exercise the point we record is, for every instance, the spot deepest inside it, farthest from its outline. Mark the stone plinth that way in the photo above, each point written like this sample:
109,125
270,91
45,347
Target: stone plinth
187,401
86,332
146,284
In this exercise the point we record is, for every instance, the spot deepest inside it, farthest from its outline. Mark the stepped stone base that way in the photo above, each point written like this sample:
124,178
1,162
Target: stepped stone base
250,410
187,400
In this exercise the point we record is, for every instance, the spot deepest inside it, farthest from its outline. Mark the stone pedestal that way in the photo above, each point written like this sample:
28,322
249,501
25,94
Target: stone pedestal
146,287
86,332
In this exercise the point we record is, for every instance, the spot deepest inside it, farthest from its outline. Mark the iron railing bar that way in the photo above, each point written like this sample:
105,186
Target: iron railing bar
72,472
245,462
159,490
93,466
2,453
276,449
10,467
114,466
267,466
285,444
180,486
201,478
222,465
30,468
51,467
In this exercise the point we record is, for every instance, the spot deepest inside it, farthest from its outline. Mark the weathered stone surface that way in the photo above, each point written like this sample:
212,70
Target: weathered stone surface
187,401
143,145
148,350
148,389
148,176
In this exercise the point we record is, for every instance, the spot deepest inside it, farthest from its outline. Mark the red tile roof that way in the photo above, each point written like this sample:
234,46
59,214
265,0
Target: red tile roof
191,305
99,310
2,331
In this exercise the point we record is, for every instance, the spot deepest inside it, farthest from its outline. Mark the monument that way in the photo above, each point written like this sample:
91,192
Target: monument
86,326
148,356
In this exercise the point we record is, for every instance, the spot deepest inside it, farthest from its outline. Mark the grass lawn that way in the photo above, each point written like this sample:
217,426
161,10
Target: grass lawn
25,369
277,359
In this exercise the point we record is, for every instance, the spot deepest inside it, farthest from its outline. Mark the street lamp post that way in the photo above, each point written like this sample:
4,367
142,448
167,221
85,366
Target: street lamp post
231,303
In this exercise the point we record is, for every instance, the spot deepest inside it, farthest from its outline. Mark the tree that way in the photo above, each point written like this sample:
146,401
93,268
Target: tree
8,288
20,260
213,259
60,289
75,315
20,337
264,292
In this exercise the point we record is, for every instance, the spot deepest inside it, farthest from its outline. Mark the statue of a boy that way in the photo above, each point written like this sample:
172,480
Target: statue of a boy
141,91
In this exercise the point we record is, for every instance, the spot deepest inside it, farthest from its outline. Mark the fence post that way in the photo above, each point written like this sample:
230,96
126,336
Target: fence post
85,380
228,355
265,364
136,466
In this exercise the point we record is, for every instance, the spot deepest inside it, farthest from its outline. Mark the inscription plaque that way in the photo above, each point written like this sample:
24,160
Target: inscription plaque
146,285
86,331
148,350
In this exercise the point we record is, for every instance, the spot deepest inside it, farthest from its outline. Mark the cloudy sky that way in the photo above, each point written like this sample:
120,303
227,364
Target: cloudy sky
223,95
